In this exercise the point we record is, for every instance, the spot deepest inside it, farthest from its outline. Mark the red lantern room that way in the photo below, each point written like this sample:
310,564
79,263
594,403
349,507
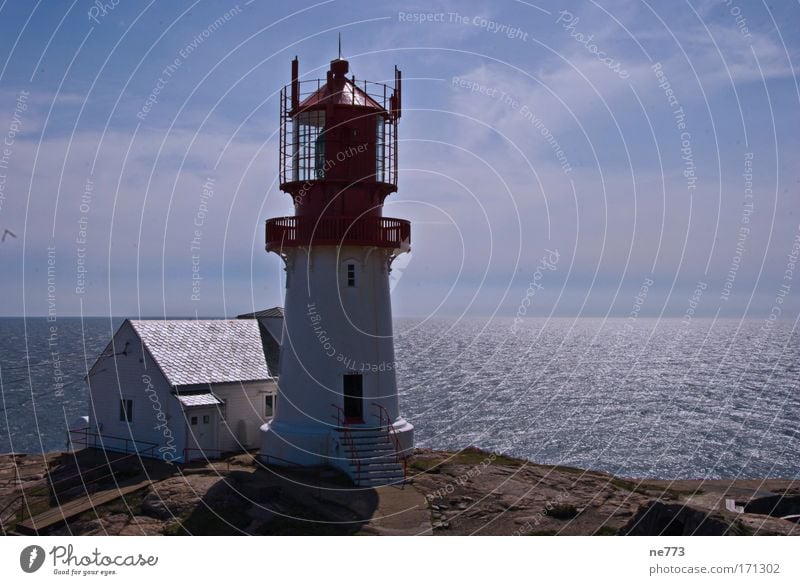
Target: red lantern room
338,161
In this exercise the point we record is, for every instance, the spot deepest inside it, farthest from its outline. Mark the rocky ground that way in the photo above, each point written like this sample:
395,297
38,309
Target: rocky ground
473,492
470,492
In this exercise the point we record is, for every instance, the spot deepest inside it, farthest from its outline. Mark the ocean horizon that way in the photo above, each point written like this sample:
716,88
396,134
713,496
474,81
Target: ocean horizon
661,398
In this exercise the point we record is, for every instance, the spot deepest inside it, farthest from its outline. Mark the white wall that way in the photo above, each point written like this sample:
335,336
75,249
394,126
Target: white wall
349,331
244,413
157,416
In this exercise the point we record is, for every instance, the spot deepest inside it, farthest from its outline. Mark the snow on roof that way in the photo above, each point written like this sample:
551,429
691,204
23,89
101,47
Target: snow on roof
204,399
205,351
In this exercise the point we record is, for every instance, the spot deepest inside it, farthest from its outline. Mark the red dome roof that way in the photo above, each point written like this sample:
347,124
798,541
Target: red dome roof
347,95
339,91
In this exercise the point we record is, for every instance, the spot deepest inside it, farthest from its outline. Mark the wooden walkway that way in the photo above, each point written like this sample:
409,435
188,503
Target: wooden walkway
76,507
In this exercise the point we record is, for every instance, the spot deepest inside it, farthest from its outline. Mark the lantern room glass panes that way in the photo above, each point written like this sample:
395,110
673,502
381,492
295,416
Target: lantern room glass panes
308,141
380,151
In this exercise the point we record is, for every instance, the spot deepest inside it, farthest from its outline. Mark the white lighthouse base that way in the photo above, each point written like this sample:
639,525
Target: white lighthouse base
291,445
368,455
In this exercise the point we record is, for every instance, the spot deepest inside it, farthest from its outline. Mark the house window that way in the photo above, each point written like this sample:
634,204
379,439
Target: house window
194,420
351,275
269,404
206,419
126,410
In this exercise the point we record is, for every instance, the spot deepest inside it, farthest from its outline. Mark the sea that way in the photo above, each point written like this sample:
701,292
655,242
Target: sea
657,398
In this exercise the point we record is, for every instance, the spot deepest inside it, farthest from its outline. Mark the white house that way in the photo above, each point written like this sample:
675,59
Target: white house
180,389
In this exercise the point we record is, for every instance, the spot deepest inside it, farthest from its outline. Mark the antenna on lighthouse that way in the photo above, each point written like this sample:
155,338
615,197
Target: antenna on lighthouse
397,98
340,45
295,84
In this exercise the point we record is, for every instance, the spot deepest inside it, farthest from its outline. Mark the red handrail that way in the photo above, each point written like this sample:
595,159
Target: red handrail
341,423
383,232
393,438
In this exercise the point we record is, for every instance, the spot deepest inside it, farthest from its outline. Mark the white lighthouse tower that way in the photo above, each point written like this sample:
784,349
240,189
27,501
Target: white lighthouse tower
337,396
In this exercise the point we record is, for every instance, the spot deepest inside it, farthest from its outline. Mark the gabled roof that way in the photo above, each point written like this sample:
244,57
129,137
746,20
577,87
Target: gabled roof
274,312
204,351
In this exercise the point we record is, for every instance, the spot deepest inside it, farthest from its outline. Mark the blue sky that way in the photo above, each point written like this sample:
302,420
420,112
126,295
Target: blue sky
528,128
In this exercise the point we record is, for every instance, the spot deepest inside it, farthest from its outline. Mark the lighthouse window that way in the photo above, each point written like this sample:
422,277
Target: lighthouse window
319,154
351,275
269,405
380,169
126,410
308,137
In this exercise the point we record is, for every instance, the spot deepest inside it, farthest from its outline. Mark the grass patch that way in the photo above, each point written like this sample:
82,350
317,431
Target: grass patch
563,511
567,469
32,507
626,485
644,489
606,531
127,504
542,533
173,529
475,456
425,465
39,492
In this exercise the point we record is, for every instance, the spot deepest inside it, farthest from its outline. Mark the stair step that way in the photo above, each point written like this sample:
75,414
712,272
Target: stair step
364,432
370,449
379,466
392,466
373,456
384,478
372,452
379,472
387,466
379,482
379,446
360,430
360,440
391,460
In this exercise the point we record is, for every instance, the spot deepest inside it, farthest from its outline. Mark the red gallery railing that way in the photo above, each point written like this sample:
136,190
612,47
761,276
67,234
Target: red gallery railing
383,232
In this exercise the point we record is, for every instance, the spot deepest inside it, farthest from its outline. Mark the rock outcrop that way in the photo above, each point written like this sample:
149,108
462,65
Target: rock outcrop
468,492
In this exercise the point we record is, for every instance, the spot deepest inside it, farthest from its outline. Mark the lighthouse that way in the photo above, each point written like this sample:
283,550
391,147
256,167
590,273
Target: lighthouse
337,392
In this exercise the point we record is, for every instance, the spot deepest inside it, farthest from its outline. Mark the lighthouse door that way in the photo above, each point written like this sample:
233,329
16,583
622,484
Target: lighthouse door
353,398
